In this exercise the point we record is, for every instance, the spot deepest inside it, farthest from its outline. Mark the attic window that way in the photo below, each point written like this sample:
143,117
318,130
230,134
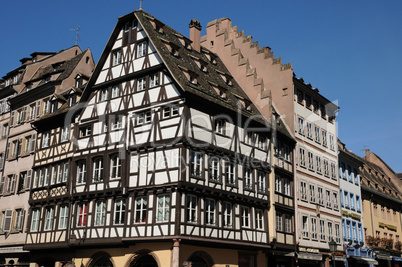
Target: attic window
172,48
245,104
221,92
158,26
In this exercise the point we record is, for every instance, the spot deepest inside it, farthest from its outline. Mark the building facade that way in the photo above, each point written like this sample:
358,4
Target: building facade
37,84
310,118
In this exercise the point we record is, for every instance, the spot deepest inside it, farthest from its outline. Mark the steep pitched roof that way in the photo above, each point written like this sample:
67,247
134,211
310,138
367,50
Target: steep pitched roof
183,62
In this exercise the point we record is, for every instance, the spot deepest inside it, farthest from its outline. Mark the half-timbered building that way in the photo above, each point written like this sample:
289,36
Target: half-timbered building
171,161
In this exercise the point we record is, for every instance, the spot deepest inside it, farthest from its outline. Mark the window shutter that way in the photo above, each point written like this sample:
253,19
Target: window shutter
8,150
2,184
12,118
8,216
24,114
2,155
27,182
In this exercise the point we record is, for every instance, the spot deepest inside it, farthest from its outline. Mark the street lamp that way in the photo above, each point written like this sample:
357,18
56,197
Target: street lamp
332,248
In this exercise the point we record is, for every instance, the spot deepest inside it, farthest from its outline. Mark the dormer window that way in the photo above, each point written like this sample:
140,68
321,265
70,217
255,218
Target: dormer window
78,83
29,86
72,100
15,80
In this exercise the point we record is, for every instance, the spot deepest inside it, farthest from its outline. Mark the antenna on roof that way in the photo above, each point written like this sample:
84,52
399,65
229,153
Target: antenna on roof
140,4
77,36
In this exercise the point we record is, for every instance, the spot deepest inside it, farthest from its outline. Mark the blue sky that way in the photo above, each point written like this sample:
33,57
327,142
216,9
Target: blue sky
349,50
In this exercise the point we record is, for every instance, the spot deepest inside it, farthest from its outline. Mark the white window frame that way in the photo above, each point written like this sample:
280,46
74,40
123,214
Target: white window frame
140,210
227,215
245,217
191,208
115,167
63,217
35,220
97,170
141,49
210,211
100,213
119,212
163,208
49,218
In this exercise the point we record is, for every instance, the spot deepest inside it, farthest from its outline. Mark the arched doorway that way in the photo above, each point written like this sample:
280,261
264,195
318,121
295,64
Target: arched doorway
145,261
197,261
102,262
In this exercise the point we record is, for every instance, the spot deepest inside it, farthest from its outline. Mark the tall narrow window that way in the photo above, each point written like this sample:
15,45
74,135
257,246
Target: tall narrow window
314,228
259,220
230,175
116,57
100,213
320,196
119,211
141,84
279,222
115,167
191,209
214,169
303,190
82,213
49,218
140,210
227,214
81,171
35,220
141,49
154,80
286,187
245,217
322,230
63,217
65,134
312,193
305,226
98,170
302,157
196,167
288,223
210,211
163,207
261,182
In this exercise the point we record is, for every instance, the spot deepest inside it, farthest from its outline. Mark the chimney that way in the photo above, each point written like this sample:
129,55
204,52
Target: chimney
195,34
367,154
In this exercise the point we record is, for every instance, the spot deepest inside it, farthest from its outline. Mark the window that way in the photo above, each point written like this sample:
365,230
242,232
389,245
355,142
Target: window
214,169
18,219
140,210
261,182
230,175
191,209
11,180
141,49
248,178
299,96
85,131
350,174
322,230
301,126
65,134
81,171
330,232
324,137
141,84
248,138
360,231
316,106
210,211
4,131
314,228
261,141
220,126
245,217
49,218
163,206
227,214
32,111
63,217
303,190
259,220
115,167
154,80
104,95
310,161
352,201
318,162
115,91
119,211
312,193
196,164
97,170
35,220
335,200
286,187
326,167
100,213
302,157
309,130
117,123
288,223
331,142
305,229
333,170
7,217
320,196
317,134
375,207
82,213
279,222
116,57
346,198
328,198
278,184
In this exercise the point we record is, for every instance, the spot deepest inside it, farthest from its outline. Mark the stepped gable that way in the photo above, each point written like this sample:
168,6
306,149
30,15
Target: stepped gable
183,61
224,26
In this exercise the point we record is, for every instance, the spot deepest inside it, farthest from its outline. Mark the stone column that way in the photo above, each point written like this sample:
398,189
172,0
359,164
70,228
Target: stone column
174,261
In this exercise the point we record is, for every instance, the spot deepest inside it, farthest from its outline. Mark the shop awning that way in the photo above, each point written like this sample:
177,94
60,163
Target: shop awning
396,259
309,256
383,257
365,260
